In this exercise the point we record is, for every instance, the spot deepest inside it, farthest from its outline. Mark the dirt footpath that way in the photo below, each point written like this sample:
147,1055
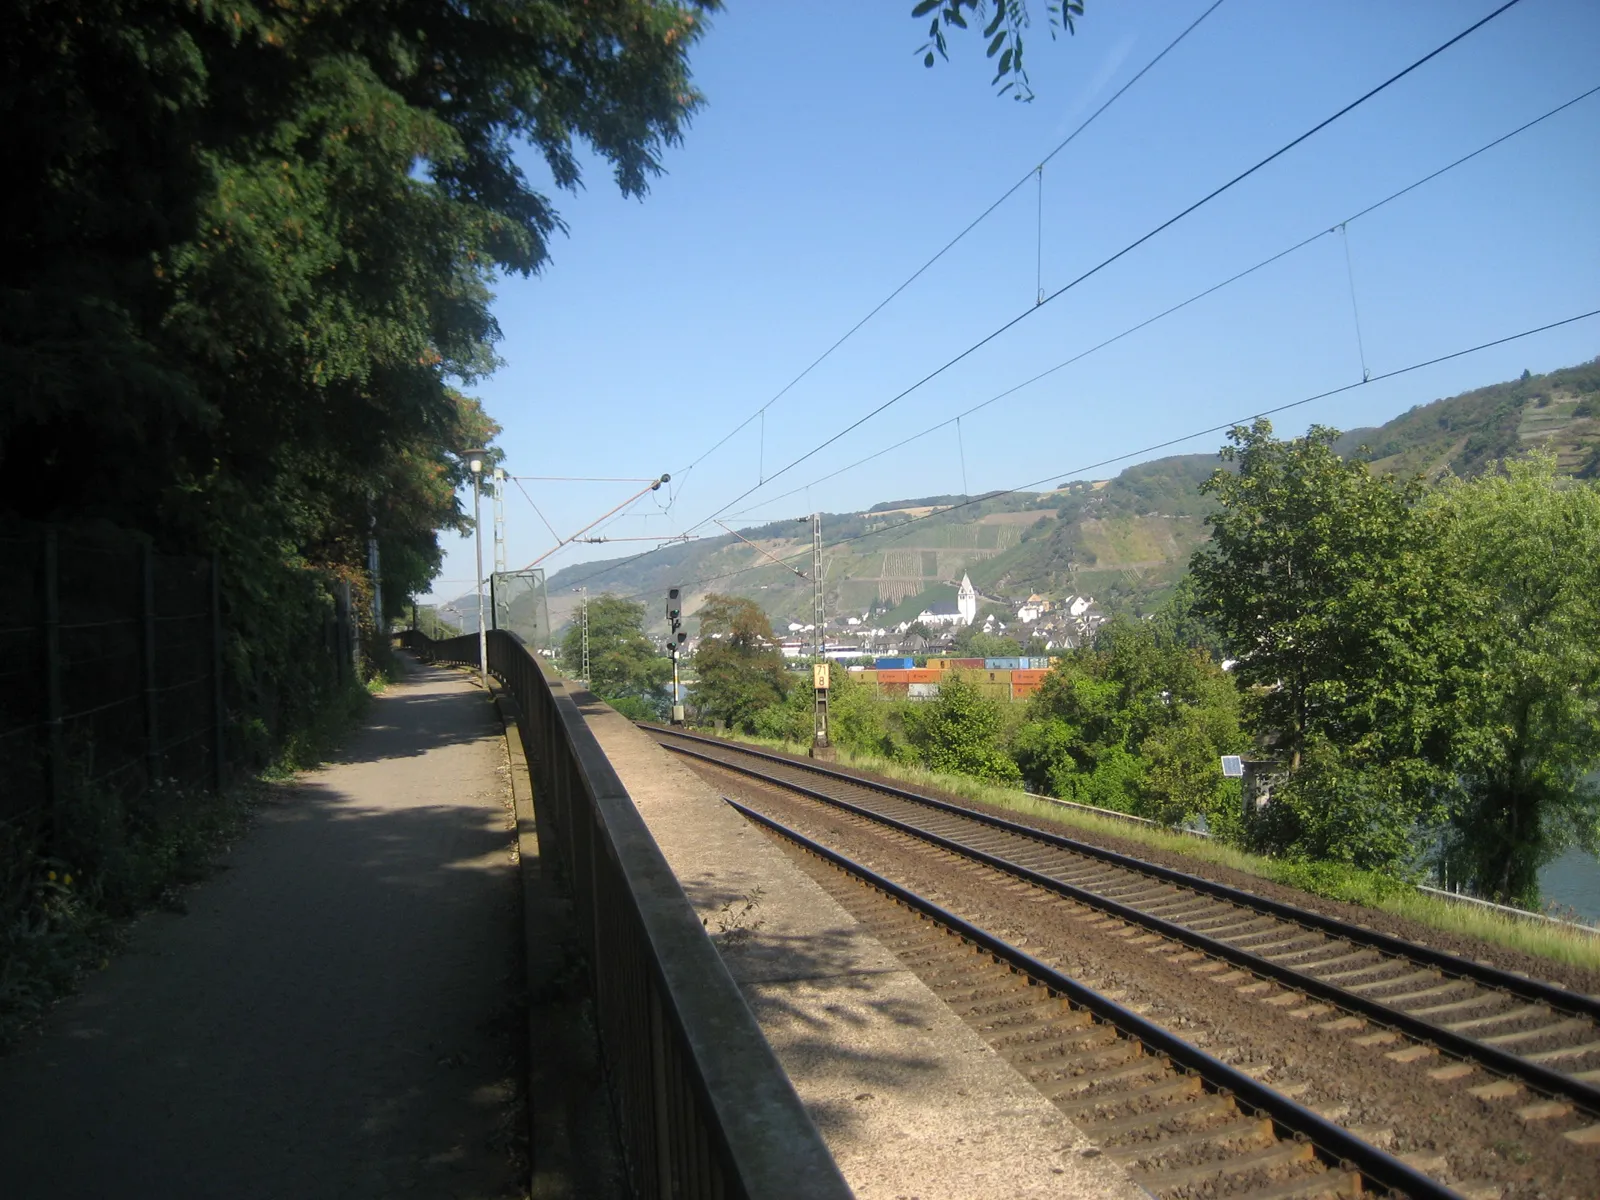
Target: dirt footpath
335,1016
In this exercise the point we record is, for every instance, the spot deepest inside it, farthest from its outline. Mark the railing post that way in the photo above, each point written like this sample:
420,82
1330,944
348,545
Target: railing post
152,724
55,749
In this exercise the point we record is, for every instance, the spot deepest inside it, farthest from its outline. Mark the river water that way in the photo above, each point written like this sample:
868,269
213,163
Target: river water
1574,880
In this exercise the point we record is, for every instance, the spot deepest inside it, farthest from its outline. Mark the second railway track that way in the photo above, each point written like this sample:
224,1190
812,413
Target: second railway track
1535,1033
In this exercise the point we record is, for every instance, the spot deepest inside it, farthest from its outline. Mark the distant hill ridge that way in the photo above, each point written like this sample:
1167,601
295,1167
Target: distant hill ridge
1125,541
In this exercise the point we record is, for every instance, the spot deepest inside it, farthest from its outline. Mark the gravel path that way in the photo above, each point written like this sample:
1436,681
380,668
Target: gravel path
337,1013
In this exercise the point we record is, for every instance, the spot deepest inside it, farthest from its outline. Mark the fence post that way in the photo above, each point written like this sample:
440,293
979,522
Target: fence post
152,731
55,764
218,716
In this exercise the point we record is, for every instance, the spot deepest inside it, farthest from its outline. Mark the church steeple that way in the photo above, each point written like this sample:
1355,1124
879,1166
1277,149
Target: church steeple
967,600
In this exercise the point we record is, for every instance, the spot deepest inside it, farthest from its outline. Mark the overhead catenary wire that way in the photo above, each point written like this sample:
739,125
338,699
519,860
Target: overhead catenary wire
899,529
951,244
1169,311
1365,211
1127,249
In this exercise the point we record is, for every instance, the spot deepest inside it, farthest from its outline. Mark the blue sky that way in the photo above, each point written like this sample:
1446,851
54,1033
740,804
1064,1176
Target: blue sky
828,165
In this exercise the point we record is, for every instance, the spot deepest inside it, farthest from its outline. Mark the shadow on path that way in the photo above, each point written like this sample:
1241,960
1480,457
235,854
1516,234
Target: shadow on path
336,1016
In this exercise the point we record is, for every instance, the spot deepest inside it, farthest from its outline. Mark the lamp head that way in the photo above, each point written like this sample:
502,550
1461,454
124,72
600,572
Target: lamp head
476,465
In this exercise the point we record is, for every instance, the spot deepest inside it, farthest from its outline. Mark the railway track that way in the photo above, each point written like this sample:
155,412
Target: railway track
1387,991
1181,1121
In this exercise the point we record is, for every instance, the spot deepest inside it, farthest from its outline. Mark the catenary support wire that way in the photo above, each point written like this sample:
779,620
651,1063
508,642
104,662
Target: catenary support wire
1355,310
950,245
1073,472
1220,190
1182,304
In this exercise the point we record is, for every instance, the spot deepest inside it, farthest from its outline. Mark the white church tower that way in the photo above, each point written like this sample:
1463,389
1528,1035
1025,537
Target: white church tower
967,601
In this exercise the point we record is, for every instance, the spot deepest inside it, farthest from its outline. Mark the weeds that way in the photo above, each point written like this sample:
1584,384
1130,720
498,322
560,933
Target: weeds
68,887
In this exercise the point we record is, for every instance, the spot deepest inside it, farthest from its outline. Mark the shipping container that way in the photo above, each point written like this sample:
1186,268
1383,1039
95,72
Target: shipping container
863,675
895,676
1021,691
892,689
923,675
1001,664
1028,676
922,691
998,677
994,691
894,664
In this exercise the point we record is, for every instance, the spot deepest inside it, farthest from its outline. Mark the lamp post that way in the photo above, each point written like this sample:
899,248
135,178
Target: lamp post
477,529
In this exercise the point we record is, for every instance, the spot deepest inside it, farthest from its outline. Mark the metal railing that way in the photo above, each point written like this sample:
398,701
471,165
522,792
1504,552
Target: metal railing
703,1107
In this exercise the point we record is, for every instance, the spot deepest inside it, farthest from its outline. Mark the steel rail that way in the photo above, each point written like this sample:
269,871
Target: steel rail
1536,1075
1562,999
1338,1146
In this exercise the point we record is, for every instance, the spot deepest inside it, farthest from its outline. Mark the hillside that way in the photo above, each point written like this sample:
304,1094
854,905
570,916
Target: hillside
1125,541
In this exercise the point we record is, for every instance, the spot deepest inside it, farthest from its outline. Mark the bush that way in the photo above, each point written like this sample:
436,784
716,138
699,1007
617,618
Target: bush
958,732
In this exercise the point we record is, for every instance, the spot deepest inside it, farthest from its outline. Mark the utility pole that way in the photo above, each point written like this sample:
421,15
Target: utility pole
499,521
820,746
583,625
477,529
675,639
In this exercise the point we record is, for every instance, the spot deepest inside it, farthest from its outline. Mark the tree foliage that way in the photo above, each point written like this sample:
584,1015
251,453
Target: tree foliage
1521,553
247,258
959,732
738,666
623,664
1137,724
1002,33
1317,581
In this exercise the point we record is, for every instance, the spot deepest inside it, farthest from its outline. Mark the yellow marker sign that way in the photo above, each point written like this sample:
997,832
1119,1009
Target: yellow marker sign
819,676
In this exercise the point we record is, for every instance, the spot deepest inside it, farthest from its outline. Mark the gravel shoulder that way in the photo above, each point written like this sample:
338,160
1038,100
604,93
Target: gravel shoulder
1575,978
1476,1144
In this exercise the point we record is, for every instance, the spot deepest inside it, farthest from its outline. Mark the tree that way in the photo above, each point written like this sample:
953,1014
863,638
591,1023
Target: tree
1136,724
858,719
958,732
738,666
1004,33
1523,548
623,664
972,642
247,259
1319,582
1316,581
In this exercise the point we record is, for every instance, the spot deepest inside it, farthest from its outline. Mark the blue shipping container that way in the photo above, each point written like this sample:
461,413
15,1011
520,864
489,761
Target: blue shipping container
1001,664
894,664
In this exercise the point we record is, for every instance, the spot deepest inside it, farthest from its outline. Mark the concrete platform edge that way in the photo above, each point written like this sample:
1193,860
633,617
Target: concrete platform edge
572,1145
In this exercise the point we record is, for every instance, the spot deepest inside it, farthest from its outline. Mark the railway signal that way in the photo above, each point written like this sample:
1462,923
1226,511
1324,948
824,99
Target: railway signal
677,638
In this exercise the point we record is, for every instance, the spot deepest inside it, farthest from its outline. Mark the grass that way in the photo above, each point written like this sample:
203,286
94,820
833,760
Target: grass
1334,881
66,897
